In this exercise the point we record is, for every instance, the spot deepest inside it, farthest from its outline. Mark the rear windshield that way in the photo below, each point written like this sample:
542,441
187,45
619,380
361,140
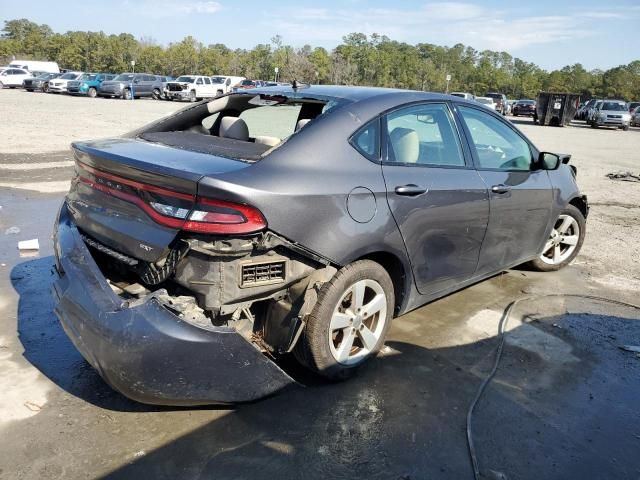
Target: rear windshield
247,82
485,101
526,102
613,106
125,77
218,79
494,95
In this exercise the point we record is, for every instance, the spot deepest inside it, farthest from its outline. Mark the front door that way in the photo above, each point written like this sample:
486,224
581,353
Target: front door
437,198
520,194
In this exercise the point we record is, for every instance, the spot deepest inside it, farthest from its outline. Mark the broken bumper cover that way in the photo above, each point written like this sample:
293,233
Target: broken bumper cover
145,351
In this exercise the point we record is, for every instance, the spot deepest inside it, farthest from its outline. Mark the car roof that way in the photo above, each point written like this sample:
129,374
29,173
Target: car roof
347,93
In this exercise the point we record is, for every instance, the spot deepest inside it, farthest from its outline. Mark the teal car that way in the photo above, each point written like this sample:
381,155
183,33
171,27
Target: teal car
88,84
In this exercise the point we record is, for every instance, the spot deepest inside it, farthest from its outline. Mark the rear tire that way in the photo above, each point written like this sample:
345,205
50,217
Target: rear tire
92,93
349,322
156,94
564,243
126,94
625,128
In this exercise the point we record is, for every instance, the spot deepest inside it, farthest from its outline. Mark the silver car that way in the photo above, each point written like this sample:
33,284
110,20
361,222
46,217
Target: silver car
611,113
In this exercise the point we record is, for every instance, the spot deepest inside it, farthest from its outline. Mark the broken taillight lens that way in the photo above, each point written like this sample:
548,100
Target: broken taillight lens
174,209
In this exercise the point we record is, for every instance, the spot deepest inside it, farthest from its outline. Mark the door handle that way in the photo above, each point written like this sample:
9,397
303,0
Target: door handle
500,188
410,190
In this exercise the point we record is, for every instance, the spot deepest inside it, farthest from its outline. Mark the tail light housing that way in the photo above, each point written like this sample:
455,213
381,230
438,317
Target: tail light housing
175,209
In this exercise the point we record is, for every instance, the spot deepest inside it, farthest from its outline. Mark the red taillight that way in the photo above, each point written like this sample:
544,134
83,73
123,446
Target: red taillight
177,210
216,216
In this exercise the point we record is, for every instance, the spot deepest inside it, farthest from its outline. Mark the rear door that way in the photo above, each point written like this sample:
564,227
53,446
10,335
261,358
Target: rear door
520,194
437,198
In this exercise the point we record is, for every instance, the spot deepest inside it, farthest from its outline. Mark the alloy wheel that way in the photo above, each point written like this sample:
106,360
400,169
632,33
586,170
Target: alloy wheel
357,322
563,240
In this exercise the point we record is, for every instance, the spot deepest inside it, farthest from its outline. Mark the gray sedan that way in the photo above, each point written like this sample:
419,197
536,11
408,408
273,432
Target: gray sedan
193,252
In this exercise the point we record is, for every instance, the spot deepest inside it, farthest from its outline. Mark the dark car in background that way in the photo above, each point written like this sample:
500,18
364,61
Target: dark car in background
41,82
88,84
132,85
524,107
192,252
500,99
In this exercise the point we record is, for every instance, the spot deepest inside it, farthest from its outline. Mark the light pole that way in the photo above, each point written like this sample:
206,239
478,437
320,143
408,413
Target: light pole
448,80
276,70
133,66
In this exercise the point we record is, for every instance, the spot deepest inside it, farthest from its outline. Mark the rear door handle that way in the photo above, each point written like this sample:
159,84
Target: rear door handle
410,190
500,188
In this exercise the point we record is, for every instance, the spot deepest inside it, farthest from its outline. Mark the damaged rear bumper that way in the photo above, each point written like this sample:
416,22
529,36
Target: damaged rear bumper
145,351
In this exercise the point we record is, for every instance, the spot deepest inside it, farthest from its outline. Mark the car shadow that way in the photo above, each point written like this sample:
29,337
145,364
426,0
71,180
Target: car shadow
561,406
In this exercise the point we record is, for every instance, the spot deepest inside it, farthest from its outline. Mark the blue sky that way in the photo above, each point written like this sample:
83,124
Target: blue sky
550,33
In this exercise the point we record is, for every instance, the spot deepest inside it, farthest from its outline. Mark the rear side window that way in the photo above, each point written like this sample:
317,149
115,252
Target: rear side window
423,135
367,140
207,81
498,146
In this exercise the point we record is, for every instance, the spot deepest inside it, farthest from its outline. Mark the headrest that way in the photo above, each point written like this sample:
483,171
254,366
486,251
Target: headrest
265,140
302,123
406,145
234,127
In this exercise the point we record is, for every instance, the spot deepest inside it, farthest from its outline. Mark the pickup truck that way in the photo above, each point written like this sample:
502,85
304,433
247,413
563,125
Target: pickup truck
190,87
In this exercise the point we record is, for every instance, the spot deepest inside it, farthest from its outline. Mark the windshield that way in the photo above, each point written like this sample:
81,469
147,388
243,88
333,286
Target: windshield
613,106
69,76
186,78
247,82
88,76
44,76
494,95
218,79
125,77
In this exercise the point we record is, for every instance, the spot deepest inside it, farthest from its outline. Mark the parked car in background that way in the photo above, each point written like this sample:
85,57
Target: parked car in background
635,117
465,95
190,87
486,102
164,81
524,107
229,235
225,84
632,106
246,85
591,111
88,84
500,99
583,111
59,85
611,113
41,82
132,85
14,77
35,66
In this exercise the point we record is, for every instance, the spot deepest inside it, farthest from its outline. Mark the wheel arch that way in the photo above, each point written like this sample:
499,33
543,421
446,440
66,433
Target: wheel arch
580,202
399,272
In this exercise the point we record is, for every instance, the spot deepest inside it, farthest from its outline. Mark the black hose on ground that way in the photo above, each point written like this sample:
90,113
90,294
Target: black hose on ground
501,333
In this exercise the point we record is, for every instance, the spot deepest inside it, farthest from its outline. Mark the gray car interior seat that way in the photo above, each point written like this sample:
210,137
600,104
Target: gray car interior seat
234,127
405,144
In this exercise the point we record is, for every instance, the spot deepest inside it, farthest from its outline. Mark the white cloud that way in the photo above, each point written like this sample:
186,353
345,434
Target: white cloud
438,22
168,8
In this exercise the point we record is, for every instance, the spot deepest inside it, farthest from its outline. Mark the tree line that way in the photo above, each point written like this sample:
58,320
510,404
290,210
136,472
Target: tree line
374,60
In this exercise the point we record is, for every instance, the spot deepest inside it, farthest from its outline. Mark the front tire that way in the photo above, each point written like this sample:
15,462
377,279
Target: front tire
156,94
92,93
126,94
192,96
349,322
564,243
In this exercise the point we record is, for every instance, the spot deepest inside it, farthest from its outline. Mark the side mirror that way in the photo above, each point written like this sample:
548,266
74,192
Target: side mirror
549,161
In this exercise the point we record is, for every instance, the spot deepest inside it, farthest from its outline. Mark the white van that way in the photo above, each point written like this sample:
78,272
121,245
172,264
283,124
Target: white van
35,66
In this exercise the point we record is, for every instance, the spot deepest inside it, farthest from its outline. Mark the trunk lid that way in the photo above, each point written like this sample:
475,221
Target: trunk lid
122,186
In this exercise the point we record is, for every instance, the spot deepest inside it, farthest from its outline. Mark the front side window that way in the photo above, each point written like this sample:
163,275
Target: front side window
498,146
423,135
199,81
207,81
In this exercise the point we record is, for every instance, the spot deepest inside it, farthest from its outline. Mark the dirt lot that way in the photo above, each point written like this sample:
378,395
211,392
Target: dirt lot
563,403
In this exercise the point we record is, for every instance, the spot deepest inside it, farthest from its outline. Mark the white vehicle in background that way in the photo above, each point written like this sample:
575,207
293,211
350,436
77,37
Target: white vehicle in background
224,84
13,77
465,95
190,87
487,102
59,85
35,66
